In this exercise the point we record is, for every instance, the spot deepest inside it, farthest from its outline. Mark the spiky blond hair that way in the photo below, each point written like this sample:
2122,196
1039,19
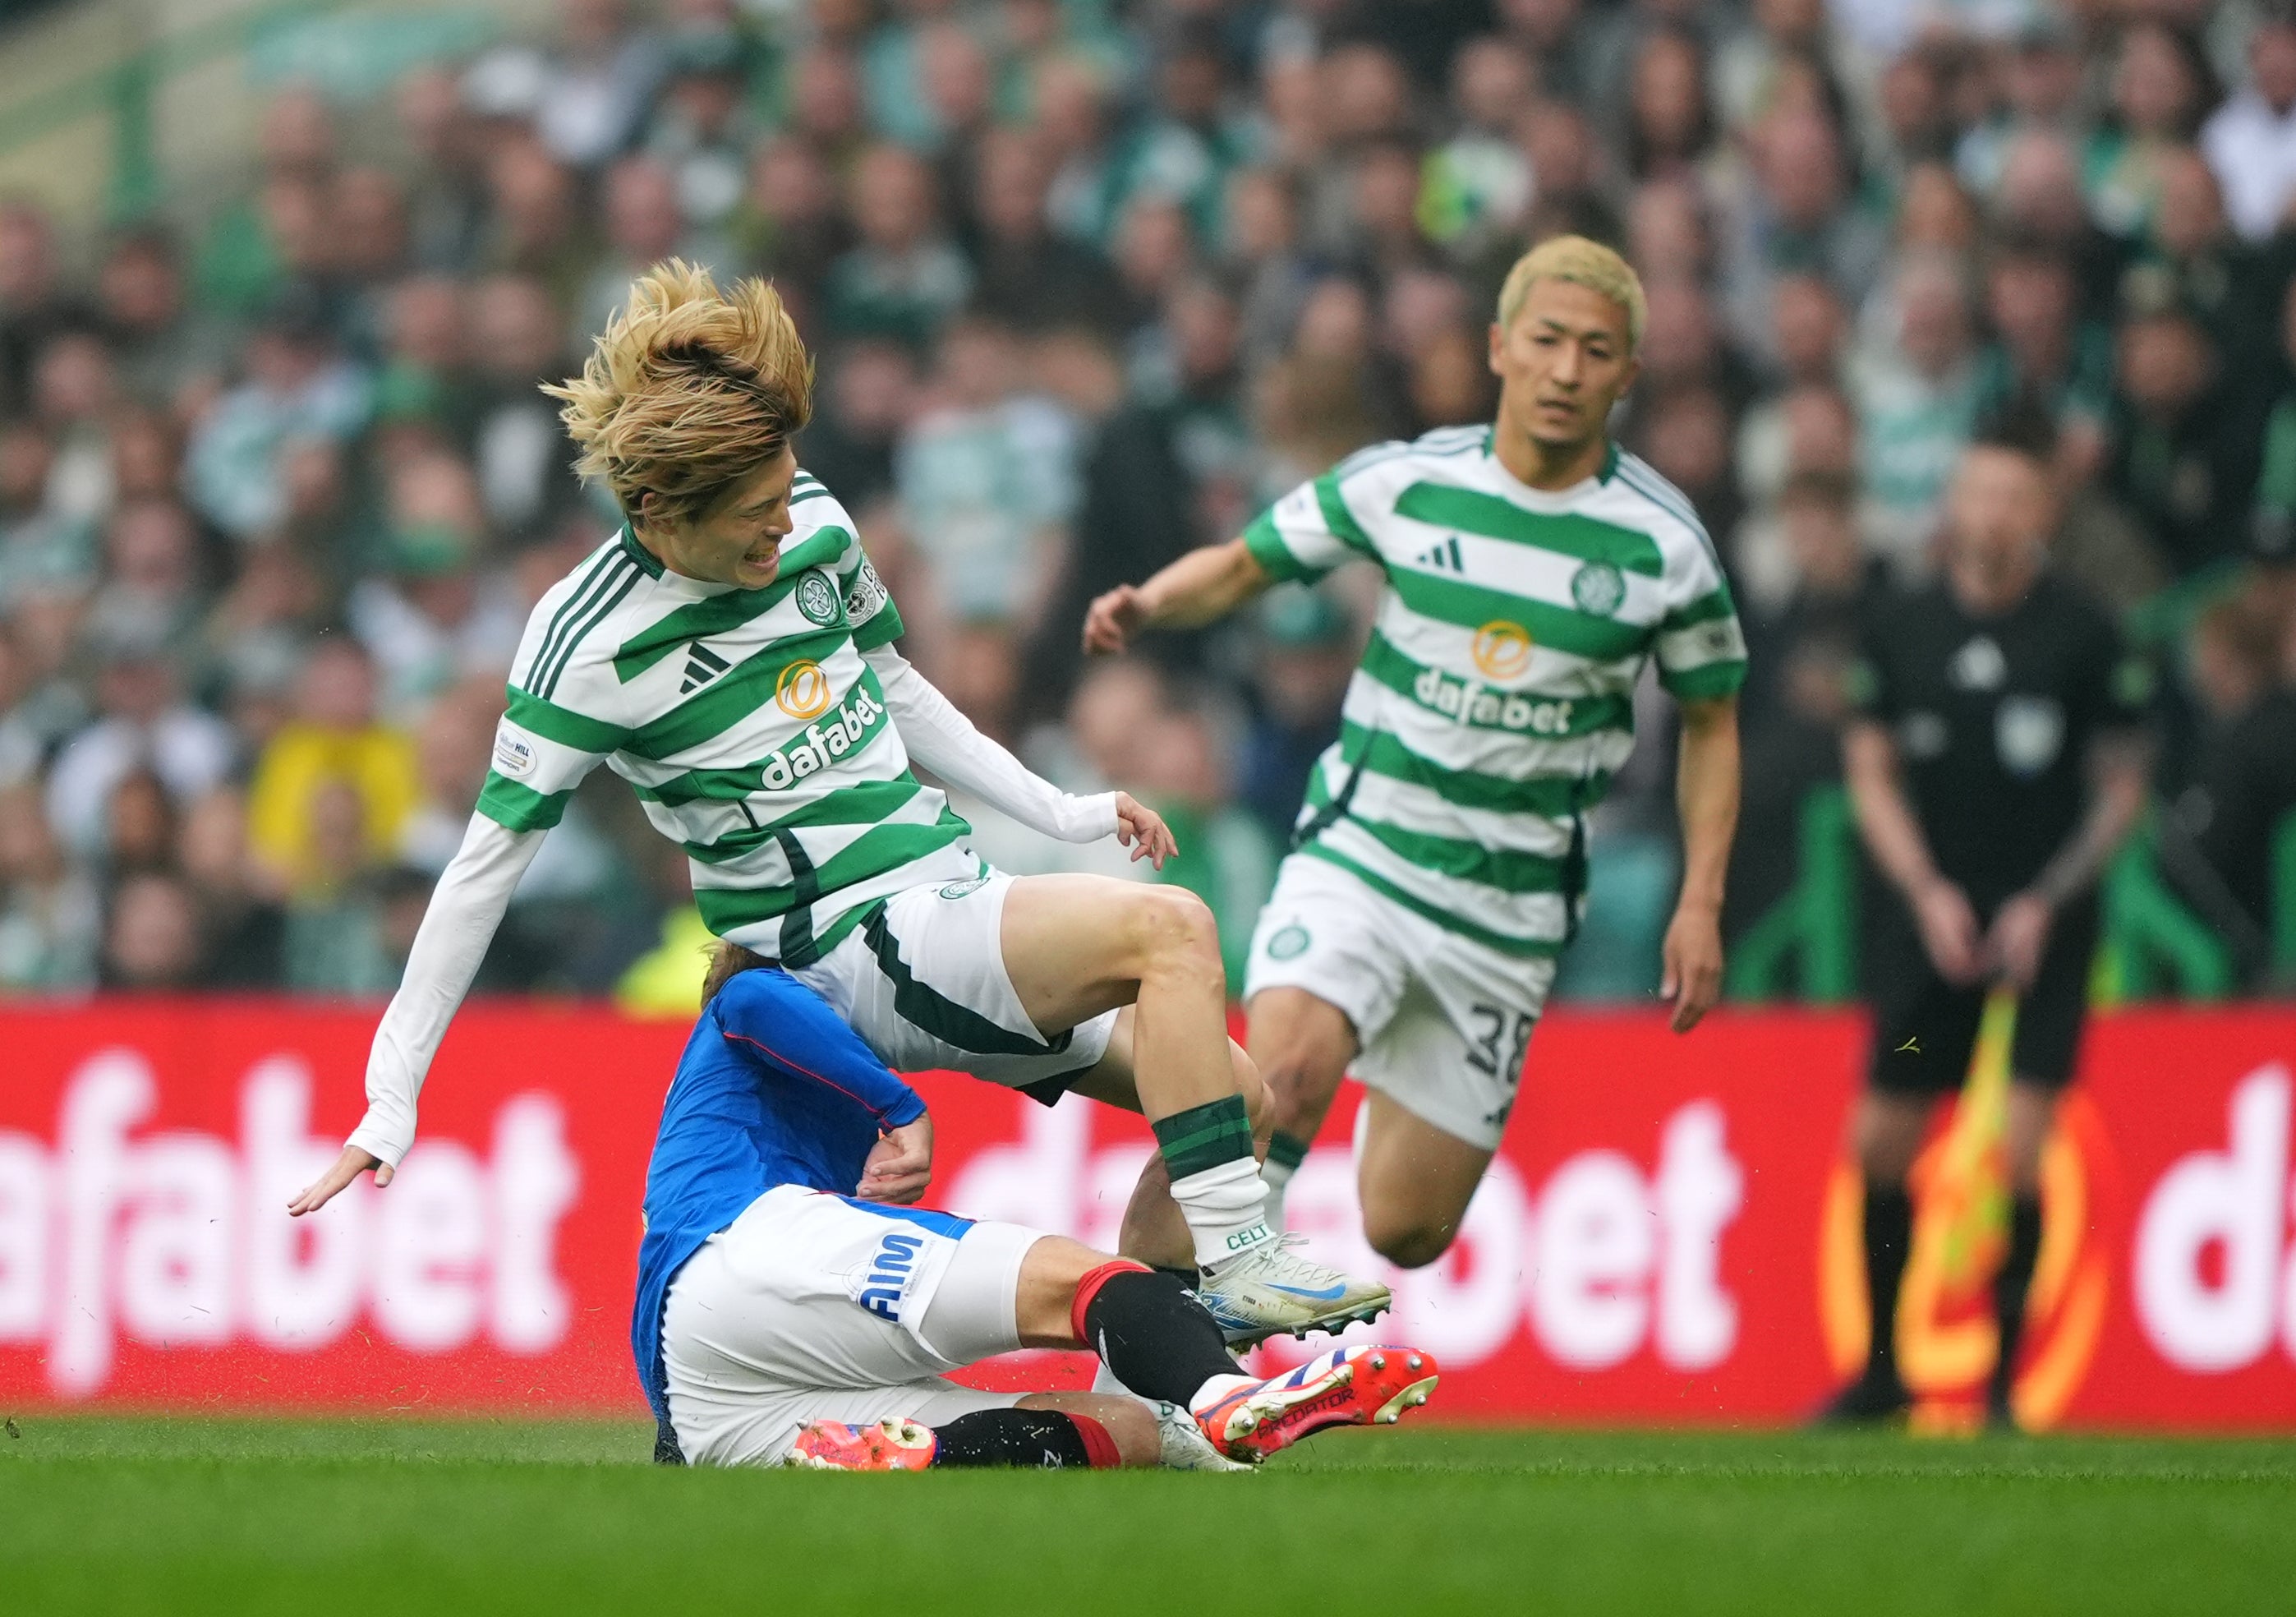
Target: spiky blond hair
1582,263
688,390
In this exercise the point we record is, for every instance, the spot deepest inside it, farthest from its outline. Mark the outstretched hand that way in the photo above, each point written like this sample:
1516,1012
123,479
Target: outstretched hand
1112,620
899,1165
1143,830
1692,955
353,1162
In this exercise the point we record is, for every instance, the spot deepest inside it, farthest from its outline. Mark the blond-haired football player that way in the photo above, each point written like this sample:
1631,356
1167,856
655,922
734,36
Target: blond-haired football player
729,654
1441,858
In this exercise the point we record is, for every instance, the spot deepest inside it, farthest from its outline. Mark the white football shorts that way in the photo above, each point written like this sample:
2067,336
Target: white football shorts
924,985
1443,1023
814,1307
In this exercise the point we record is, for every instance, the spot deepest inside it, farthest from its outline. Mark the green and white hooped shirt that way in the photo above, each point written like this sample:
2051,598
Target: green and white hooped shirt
748,722
1495,700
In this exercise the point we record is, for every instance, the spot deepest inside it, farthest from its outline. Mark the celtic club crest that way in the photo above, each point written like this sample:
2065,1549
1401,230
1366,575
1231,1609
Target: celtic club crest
817,598
1599,588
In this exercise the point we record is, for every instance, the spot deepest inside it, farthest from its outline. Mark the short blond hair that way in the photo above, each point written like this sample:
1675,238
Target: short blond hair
1582,263
688,390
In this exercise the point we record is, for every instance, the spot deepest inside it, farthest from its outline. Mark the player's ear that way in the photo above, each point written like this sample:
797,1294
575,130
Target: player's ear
1497,347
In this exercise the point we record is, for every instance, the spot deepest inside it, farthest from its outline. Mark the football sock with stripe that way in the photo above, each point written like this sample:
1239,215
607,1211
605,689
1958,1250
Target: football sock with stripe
1158,1340
1215,1177
1045,1440
1285,1152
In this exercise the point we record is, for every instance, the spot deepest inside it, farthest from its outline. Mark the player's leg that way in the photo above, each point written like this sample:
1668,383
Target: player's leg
1926,1030
1329,960
1444,1073
1154,1230
1414,1180
1074,947
1164,1346
1200,1405
1301,1044
2042,1057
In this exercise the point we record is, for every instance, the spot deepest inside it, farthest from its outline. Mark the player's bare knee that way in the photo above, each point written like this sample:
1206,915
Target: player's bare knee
1172,931
1408,1243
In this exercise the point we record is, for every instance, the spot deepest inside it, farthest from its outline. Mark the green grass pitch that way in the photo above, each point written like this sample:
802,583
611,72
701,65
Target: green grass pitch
179,1517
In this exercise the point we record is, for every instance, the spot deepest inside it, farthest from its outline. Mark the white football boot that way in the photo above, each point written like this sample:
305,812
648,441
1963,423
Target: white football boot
1271,1289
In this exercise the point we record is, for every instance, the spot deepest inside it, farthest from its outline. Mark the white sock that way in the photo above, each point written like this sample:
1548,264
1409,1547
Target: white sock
1277,1177
1226,1208
1218,1388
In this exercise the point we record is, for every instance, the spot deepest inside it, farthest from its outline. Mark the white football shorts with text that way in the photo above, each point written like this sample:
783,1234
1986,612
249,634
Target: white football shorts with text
1443,1022
814,1307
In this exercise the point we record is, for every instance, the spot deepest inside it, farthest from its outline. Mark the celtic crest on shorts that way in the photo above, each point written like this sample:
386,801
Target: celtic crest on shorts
816,599
1598,587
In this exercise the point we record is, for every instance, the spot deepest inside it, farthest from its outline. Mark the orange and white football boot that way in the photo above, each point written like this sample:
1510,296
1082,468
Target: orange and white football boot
1346,1387
886,1445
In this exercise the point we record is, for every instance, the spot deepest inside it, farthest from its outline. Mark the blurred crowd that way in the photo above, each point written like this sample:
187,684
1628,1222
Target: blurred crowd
1089,282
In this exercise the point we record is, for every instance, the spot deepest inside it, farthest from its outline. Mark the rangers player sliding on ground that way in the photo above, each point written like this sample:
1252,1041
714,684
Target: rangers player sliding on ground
729,654
794,1308
1441,858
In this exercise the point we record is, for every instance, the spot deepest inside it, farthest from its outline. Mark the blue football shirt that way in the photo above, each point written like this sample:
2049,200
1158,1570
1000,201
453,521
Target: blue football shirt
772,1090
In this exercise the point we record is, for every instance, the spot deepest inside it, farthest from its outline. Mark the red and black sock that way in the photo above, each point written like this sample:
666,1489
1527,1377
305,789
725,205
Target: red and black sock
1150,1331
1040,1440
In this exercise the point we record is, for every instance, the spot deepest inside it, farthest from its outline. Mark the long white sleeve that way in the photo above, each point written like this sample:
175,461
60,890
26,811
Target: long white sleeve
945,741
466,909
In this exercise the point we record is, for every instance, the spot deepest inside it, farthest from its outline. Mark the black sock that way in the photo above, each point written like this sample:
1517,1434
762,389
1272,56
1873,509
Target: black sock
1154,1337
2013,1282
1044,1440
1889,1237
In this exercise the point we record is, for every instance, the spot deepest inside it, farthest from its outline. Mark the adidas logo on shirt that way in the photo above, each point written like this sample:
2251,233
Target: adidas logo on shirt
702,665
1445,555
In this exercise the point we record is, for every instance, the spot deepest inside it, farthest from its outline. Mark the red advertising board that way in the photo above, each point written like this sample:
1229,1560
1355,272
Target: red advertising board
1668,1236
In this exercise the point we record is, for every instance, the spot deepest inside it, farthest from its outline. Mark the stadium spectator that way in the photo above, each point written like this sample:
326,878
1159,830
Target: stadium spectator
2244,784
49,916
2175,466
333,744
904,277
152,936
240,916
2251,140
145,724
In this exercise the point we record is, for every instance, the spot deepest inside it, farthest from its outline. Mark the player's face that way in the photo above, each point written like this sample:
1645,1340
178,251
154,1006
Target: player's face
1562,363
738,540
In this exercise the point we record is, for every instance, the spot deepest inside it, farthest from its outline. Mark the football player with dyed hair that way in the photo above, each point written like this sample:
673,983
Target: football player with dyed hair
792,1309
1532,571
729,651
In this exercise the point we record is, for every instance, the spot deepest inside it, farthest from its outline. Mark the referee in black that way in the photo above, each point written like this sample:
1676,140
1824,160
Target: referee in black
1996,758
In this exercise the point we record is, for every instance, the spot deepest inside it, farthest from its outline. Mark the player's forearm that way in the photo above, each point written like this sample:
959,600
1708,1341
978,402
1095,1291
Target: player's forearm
1203,587
1706,799
1886,821
464,910
942,739
2113,814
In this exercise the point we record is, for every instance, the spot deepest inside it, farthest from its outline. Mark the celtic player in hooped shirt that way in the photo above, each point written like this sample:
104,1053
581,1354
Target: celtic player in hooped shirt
729,654
1532,571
